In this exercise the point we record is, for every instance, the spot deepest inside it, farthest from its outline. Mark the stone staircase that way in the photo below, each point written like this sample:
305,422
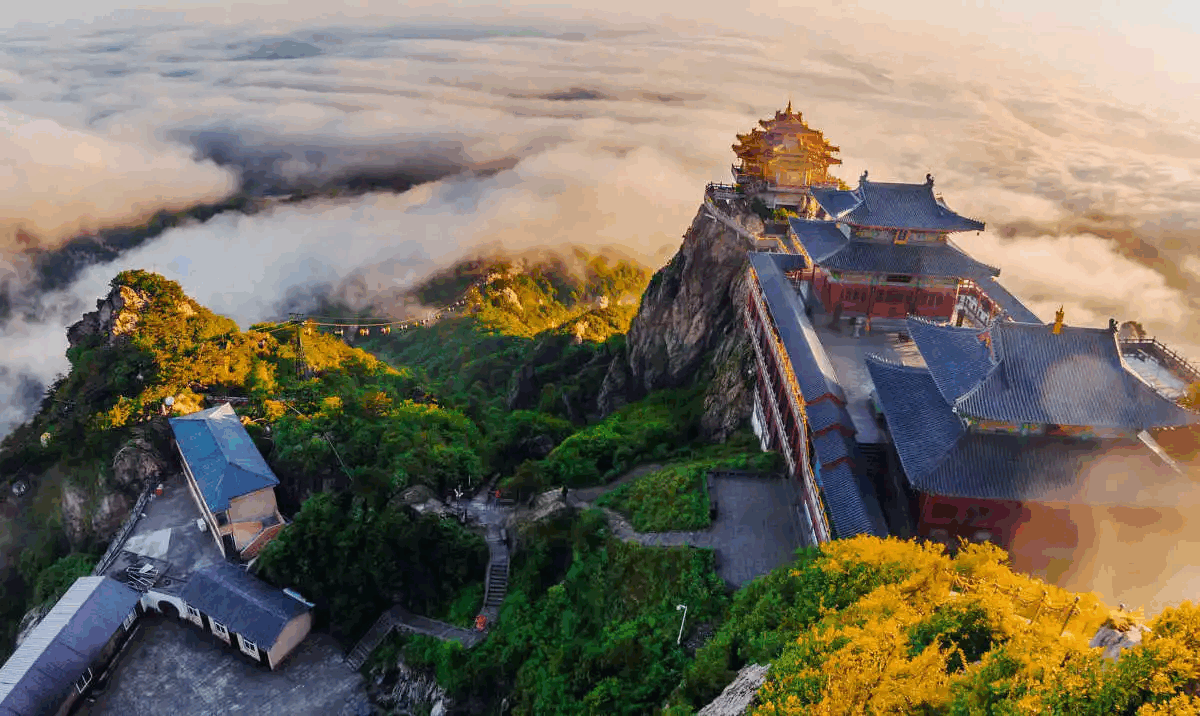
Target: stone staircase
496,582
495,589
372,639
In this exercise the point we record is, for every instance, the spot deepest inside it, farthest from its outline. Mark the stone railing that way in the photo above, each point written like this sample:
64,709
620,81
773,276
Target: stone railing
118,540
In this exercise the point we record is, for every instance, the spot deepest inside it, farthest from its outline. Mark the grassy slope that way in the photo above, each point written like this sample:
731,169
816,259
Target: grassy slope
676,496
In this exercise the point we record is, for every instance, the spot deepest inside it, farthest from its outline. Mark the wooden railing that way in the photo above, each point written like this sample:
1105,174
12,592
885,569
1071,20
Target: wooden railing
1165,355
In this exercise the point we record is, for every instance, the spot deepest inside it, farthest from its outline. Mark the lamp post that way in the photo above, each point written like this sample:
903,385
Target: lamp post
681,622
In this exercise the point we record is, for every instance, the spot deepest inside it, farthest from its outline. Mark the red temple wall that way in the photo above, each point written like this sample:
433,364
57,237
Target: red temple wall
887,302
963,517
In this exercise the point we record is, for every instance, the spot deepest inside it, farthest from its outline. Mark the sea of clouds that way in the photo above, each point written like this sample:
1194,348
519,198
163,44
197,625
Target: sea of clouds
537,132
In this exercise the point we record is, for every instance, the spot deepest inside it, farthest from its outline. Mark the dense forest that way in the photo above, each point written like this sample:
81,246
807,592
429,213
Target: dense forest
506,389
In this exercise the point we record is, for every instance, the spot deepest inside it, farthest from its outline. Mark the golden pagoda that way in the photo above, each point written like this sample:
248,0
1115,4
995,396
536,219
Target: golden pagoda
784,152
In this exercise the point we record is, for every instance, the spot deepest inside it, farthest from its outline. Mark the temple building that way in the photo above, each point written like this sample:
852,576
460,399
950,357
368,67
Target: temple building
784,156
1014,414
884,250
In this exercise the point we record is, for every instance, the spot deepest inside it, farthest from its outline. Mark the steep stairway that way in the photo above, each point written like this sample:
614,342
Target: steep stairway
496,584
372,639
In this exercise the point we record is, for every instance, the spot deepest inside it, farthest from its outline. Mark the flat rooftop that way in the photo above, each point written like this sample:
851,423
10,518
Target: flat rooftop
166,536
848,353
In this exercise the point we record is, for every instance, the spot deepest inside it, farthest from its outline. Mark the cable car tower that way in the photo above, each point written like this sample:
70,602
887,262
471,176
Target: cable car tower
302,369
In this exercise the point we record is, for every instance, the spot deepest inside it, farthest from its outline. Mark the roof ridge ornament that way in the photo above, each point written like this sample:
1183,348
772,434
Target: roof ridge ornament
929,180
1058,321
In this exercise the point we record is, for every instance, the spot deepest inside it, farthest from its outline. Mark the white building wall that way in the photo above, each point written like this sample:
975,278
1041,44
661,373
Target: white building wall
151,600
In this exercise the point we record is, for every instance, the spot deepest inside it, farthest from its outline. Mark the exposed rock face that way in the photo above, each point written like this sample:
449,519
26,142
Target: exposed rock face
738,697
97,514
32,618
76,513
116,315
1114,641
689,326
109,514
137,464
410,692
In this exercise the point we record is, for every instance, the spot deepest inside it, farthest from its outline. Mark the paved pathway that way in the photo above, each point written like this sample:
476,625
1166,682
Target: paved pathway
587,494
757,527
406,620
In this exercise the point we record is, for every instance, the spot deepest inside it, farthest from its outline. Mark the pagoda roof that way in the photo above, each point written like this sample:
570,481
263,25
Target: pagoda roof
1031,375
831,249
893,206
941,457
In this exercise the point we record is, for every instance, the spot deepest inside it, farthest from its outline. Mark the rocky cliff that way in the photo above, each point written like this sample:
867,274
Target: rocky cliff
688,327
96,511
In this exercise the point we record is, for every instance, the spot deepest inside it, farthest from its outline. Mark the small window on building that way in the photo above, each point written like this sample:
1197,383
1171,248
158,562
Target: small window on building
898,278
82,682
129,620
248,646
219,628
943,511
193,612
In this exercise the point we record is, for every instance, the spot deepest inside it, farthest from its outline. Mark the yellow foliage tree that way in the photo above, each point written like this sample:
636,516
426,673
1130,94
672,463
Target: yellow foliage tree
967,635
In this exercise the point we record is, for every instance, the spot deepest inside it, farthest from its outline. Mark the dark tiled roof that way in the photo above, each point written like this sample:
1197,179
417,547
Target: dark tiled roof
1017,311
831,447
851,503
221,456
820,239
36,678
940,457
957,357
835,202
888,205
830,249
923,427
814,371
827,414
240,601
1011,467
1074,378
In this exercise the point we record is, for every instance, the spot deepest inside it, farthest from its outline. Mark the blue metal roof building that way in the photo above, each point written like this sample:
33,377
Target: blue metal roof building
39,677
243,603
221,456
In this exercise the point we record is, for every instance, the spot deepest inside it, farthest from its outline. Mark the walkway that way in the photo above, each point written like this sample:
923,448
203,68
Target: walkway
491,516
757,527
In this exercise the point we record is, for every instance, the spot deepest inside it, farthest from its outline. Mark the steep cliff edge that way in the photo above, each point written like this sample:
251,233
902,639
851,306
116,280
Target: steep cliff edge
688,327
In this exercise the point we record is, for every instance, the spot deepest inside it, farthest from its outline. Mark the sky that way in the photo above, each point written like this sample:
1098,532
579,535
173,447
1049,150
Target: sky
1068,127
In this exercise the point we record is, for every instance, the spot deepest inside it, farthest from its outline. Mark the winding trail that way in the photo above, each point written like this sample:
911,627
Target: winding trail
755,531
